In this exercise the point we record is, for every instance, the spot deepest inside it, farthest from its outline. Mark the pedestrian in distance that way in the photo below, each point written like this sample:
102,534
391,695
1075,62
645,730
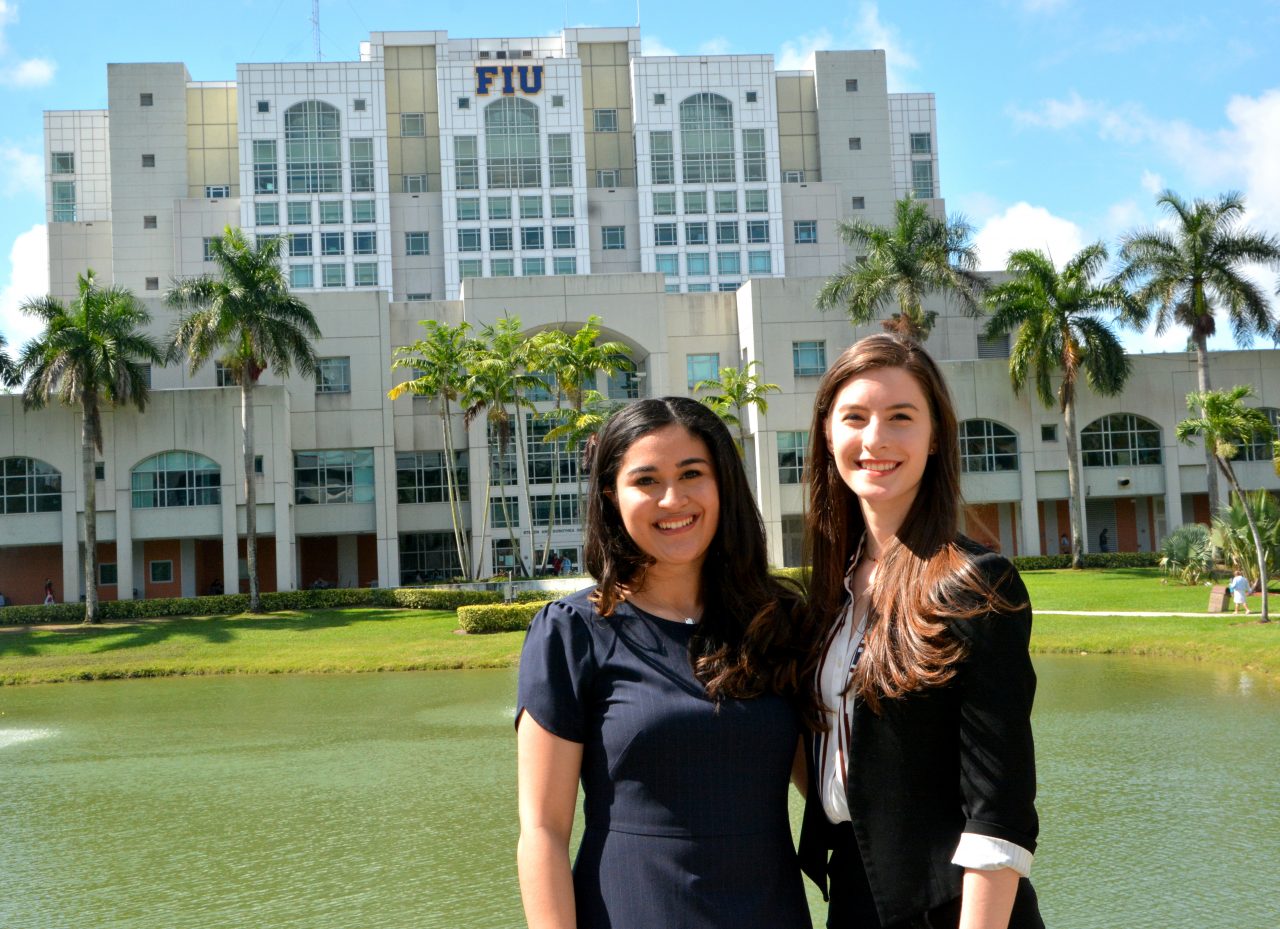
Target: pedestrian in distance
1239,588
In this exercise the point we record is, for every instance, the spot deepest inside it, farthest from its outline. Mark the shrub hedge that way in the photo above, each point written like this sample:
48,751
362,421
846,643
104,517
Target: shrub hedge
498,617
1094,560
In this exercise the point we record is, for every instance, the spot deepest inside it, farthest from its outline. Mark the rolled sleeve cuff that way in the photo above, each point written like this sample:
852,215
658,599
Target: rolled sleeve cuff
984,853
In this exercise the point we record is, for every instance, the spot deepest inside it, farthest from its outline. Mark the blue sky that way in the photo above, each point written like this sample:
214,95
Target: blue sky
1059,120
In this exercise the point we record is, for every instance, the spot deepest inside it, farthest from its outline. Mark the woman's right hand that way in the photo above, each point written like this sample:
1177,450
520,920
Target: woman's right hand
548,769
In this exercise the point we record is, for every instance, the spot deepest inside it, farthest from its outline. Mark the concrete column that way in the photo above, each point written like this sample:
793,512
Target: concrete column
385,523
348,562
286,573
230,546
72,574
1029,531
124,546
187,549
1172,493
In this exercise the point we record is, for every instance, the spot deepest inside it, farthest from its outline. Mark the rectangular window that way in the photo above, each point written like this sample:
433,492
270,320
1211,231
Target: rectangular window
502,267
533,267
701,368
208,248
662,159
333,243
791,454
531,206
726,201
659,99
695,201
417,243
793,177
566,511
560,159
805,231
364,211
149,222
470,267
361,166
364,242
613,238
359,104
921,143
299,212
501,239
562,237
557,100
757,231
265,177
223,376
366,273
922,179
1048,433
217,192
548,461
605,120
413,183
729,262
333,375
421,477
107,576
531,238
146,100
695,233
727,232
607,177
161,572
64,162
266,214
151,283
703,288
333,275
504,512
757,201
466,167
417,297
855,143
564,265
343,475
330,212
851,85
664,203
667,263
499,207
299,244
728,287
468,240
665,234
301,276
464,103
753,157
759,263
698,264
561,206
808,359
859,203
468,209
413,125
427,557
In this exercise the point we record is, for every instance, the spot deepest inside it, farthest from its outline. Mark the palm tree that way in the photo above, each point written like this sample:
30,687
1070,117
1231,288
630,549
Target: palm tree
1233,535
1193,272
1226,423
90,352
440,360
734,391
1059,320
916,256
8,373
246,318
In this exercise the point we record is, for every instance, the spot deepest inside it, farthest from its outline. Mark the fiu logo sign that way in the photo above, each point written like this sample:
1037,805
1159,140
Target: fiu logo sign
527,77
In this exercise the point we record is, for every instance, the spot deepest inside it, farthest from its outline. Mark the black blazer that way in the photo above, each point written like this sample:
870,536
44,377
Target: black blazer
940,762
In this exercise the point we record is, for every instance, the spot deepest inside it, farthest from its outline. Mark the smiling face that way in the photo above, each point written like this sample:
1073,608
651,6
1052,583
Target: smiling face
881,435
669,501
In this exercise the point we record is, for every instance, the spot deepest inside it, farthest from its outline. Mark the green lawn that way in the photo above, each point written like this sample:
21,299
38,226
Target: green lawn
357,639
1120,589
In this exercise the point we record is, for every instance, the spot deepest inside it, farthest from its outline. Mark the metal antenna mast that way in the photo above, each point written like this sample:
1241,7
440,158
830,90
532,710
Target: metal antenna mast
315,28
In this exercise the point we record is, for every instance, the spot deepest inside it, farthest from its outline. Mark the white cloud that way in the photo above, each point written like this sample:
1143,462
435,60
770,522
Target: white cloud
653,46
797,54
8,16
1152,183
34,72
21,171
718,45
1025,226
28,277
865,31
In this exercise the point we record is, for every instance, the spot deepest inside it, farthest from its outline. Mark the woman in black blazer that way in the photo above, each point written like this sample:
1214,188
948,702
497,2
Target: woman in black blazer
920,804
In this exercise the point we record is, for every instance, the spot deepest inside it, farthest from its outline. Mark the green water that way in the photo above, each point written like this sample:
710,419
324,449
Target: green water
388,801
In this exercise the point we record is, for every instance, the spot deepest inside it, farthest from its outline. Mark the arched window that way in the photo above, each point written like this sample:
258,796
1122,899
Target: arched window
313,148
706,139
987,446
1259,450
513,151
29,485
1120,439
176,479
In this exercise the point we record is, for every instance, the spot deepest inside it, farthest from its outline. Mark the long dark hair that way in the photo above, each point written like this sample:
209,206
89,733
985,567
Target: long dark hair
926,577
753,637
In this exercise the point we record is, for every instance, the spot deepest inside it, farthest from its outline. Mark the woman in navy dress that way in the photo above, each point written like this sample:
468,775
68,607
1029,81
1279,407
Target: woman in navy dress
672,691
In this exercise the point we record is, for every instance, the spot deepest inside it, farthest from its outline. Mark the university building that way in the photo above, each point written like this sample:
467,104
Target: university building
691,202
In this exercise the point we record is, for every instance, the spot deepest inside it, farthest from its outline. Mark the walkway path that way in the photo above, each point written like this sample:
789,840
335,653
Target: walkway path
1124,613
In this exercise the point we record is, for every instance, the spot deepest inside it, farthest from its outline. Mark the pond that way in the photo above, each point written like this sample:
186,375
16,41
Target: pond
388,800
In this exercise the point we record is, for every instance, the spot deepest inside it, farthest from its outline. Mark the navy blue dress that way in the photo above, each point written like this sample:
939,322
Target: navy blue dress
685,802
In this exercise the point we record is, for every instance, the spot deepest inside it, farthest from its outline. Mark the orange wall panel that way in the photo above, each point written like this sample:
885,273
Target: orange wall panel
23,572
319,559
366,559
162,550
1126,525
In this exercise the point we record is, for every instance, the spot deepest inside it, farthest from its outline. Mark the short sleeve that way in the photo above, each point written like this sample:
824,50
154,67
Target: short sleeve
556,668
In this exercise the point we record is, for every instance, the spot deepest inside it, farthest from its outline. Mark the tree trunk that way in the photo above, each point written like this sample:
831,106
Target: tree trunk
1259,552
88,441
1074,479
1202,381
551,509
250,491
451,487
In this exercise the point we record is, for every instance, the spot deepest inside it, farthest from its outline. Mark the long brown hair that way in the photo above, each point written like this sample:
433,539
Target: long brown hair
925,577
754,634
